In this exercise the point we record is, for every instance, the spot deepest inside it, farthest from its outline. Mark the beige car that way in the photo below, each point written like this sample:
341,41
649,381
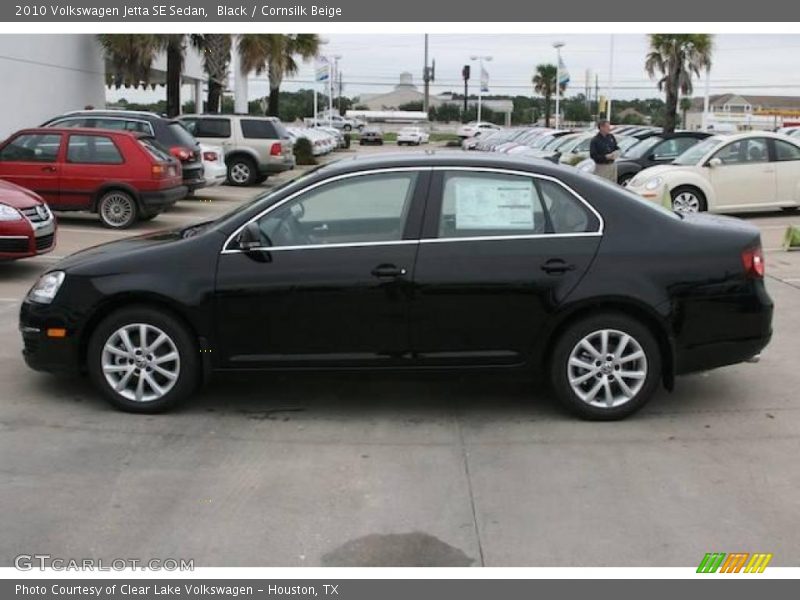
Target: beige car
254,147
728,173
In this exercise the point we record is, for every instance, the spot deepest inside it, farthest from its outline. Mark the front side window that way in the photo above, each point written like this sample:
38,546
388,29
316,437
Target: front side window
356,210
748,150
92,149
496,204
32,147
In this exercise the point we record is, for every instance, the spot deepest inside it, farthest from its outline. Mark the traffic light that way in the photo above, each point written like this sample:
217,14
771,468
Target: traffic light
465,73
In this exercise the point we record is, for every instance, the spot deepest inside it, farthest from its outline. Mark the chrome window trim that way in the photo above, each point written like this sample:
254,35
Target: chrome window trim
437,240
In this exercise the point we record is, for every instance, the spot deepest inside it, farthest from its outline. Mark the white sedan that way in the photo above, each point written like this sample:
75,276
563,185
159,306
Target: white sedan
214,169
412,136
728,173
473,127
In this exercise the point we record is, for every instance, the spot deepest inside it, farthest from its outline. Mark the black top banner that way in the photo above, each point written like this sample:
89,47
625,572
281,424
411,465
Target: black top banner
401,11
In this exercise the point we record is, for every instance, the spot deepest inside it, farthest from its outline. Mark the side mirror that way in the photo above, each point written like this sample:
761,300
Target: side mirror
652,157
250,238
715,162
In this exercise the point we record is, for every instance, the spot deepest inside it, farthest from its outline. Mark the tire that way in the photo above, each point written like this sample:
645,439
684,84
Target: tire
242,171
686,198
186,369
789,209
589,382
117,209
261,179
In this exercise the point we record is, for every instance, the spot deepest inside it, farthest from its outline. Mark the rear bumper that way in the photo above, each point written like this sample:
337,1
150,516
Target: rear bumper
277,165
193,178
163,198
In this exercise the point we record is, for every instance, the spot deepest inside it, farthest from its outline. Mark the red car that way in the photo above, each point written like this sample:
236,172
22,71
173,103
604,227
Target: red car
27,227
122,176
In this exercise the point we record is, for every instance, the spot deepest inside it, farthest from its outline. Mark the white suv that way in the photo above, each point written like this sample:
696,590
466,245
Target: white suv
254,147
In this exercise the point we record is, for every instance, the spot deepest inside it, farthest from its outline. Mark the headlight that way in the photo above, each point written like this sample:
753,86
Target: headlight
8,213
653,183
46,288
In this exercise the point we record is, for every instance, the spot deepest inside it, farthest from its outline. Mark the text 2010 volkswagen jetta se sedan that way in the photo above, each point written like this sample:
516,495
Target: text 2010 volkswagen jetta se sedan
434,261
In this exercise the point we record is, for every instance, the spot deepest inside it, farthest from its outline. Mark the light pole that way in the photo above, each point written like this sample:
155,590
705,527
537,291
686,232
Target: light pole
558,46
333,68
480,60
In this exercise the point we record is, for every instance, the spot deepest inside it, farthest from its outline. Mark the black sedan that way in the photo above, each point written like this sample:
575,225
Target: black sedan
655,149
414,262
371,135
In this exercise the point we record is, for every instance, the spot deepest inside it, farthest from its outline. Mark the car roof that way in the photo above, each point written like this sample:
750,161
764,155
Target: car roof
434,158
226,115
131,114
84,131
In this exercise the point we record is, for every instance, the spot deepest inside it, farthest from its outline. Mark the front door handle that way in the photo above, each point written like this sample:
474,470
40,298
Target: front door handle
557,266
49,169
388,271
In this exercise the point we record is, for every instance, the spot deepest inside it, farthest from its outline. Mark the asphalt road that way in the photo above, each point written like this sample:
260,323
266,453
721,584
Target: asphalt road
441,471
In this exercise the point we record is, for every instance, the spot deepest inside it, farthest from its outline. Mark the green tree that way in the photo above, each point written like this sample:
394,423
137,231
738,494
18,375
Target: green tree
544,84
276,54
677,57
216,51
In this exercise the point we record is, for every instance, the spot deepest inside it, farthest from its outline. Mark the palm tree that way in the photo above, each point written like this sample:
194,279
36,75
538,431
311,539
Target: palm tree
132,55
677,57
216,50
544,84
276,54
685,105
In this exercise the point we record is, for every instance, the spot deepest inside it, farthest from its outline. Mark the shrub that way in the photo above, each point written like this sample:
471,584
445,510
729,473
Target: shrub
303,152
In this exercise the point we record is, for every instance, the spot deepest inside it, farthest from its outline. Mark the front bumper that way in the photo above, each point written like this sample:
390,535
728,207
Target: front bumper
44,353
162,199
28,239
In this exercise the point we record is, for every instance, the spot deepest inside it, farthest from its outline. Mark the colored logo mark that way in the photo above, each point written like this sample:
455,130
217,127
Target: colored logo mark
736,562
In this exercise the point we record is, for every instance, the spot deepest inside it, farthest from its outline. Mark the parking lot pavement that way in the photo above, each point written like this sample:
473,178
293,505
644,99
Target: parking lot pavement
387,470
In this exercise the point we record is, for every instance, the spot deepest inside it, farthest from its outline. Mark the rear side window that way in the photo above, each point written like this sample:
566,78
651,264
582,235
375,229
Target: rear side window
786,151
32,147
93,149
219,128
118,124
495,204
262,129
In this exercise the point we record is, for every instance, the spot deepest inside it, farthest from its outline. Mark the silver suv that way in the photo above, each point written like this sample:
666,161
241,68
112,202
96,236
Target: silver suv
255,147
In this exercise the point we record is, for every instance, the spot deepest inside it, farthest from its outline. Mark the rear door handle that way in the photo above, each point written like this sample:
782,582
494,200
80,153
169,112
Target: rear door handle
388,271
49,169
557,266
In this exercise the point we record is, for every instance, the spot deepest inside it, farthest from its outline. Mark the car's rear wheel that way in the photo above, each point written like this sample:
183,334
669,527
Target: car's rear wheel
242,171
688,199
605,367
117,209
149,216
143,360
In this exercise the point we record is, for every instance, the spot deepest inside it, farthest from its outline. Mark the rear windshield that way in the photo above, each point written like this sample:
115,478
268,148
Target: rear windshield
154,150
182,136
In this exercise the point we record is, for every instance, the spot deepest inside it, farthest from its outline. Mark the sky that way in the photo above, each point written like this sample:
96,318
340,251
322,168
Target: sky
755,64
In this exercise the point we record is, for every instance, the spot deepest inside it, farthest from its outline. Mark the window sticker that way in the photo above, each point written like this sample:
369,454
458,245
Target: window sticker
494,204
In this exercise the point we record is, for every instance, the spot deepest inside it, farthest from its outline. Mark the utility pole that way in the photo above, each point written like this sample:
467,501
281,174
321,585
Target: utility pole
610,77
426,78
558,46
339,98
465,75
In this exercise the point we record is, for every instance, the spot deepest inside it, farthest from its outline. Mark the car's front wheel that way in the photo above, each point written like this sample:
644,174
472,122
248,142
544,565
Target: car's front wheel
117,209
605,367
687,199
143,360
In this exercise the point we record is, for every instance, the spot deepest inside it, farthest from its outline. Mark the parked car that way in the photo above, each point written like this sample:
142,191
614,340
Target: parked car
471,128
412,136
371,135
385,262
169,133
657,149
336,134
551,150
121,176
321,143
577,152
27,227
255,147
336,121
728,173
536,141
215,170
471,143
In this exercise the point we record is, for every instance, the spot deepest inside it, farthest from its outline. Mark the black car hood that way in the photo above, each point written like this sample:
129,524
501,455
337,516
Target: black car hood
105,254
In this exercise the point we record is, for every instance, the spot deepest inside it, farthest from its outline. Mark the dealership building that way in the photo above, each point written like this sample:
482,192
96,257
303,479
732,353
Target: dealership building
49,74
739,112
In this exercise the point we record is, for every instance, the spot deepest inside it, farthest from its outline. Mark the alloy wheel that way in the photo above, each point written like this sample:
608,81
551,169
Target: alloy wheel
117,209
607,368
240,173
686,202
140,362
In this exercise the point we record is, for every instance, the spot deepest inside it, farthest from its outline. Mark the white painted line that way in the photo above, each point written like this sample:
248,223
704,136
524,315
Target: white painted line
62,228
10,300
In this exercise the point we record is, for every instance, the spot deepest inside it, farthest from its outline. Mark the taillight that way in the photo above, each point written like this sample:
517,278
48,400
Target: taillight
210,156
181,153
276,149
158,171
753,261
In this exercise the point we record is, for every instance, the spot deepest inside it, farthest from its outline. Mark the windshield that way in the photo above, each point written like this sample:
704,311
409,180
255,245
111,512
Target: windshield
640,149
696,152
542,141
563,143
625,142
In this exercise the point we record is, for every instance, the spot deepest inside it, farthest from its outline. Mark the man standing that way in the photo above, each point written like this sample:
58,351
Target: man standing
604,150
